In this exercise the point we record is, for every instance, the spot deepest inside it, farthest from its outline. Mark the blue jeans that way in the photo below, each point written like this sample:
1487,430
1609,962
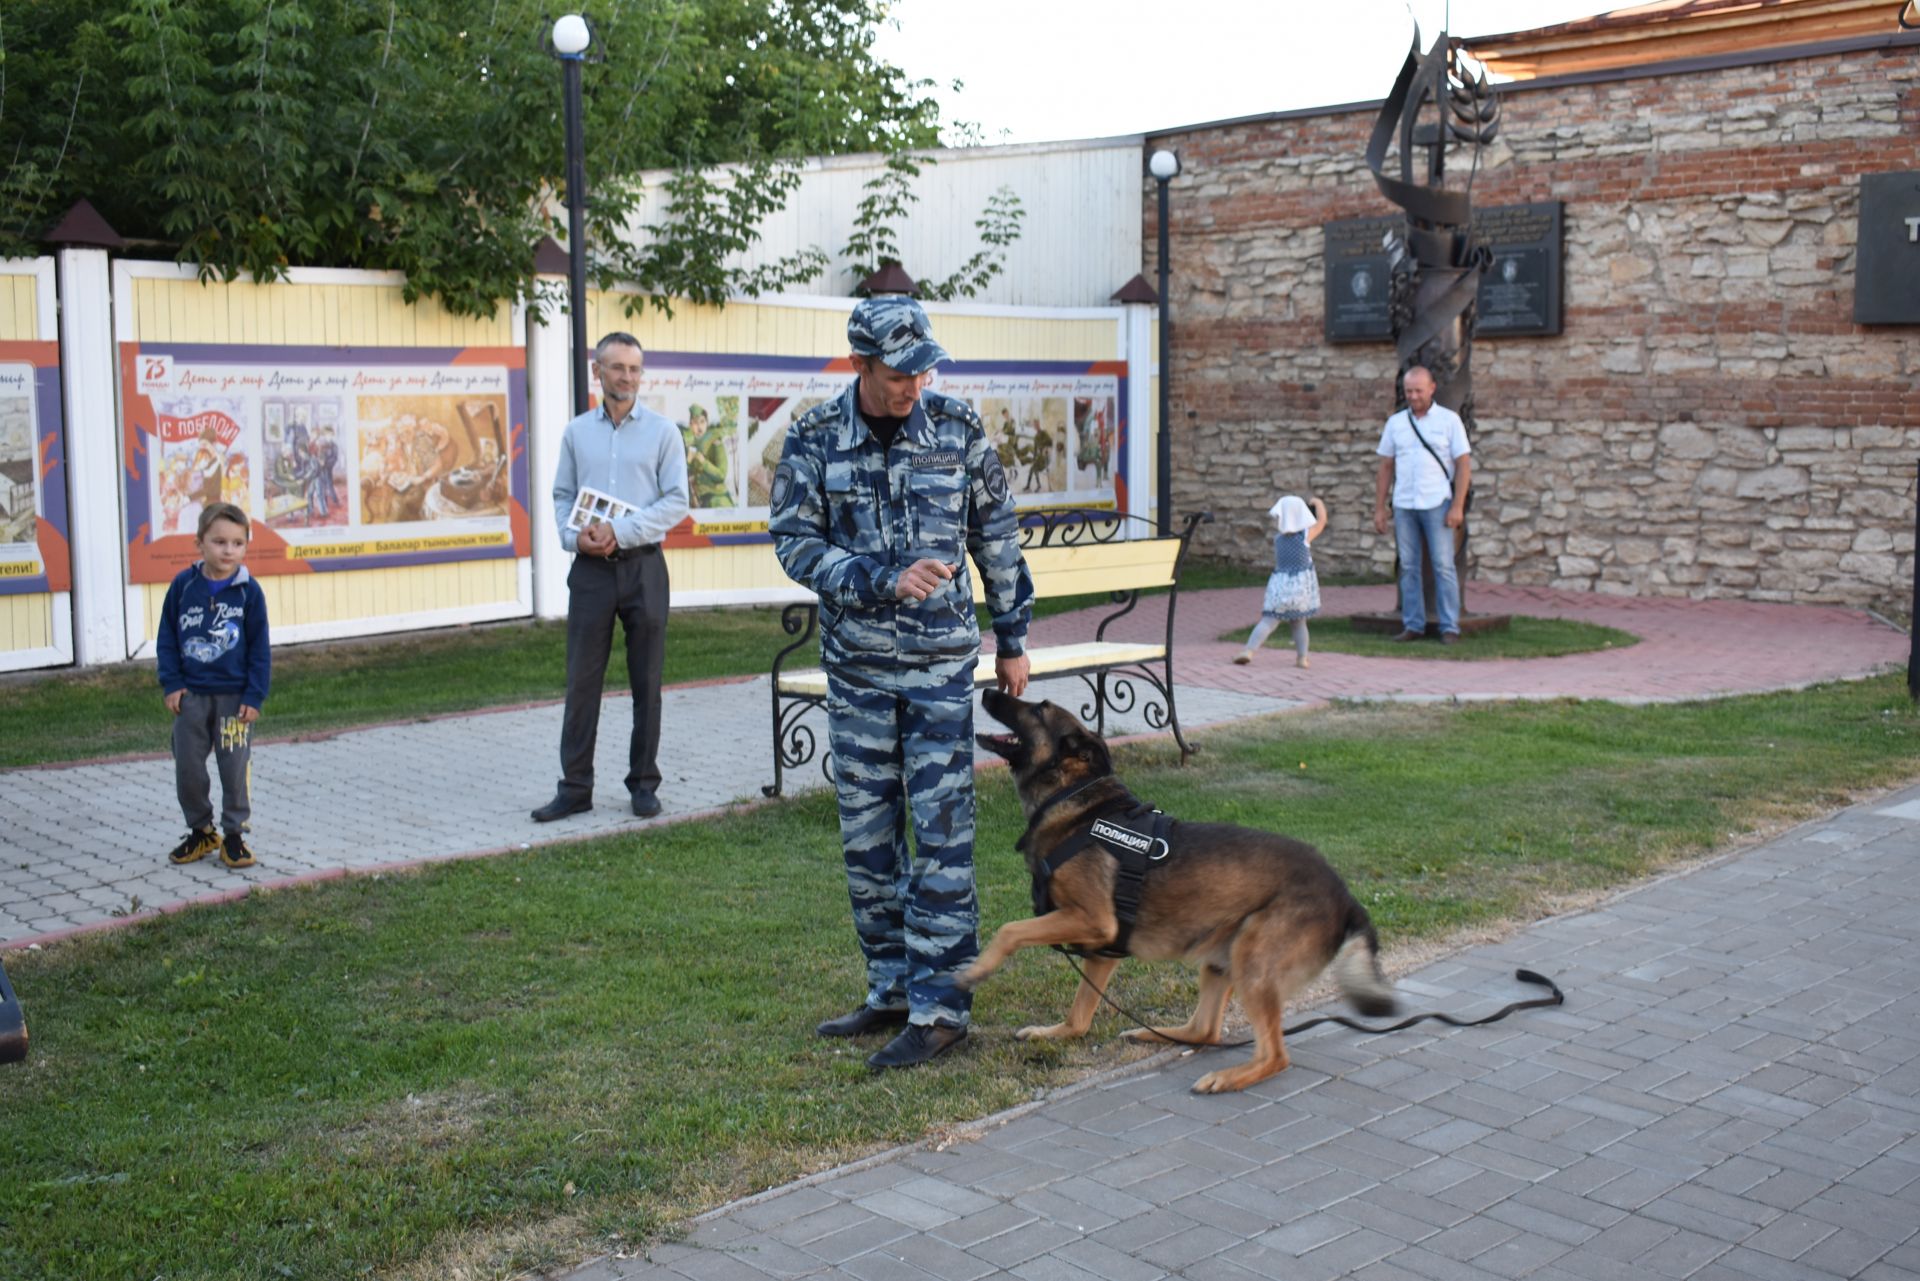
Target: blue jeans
1413,530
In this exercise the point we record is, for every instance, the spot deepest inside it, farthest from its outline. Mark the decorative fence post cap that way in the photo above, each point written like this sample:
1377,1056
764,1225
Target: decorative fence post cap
549,259
890,279
84,228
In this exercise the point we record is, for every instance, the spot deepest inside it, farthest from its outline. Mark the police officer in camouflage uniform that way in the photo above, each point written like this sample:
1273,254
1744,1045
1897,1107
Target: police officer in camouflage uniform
881,496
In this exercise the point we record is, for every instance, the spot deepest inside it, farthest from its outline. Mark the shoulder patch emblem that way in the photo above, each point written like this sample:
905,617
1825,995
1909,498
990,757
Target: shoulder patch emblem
995,477
782,486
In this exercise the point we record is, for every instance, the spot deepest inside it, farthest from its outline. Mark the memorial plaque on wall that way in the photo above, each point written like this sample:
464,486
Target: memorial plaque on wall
1886,269
1356,283
1519,295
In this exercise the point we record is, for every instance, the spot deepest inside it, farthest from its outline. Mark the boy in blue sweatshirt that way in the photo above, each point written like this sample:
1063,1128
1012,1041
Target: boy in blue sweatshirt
215,666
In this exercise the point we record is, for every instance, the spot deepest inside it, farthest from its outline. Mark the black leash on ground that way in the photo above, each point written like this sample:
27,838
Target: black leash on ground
1524,976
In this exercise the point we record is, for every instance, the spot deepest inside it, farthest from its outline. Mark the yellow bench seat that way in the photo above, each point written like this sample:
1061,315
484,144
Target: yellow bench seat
1049,660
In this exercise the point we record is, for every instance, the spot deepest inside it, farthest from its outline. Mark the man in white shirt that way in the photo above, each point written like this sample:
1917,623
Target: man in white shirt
1425,464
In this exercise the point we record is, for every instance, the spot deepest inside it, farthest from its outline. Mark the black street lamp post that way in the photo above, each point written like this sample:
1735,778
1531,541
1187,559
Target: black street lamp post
571,38
1163,165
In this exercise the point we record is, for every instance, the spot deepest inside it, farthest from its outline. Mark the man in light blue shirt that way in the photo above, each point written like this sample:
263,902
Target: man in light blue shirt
635,465
1429,501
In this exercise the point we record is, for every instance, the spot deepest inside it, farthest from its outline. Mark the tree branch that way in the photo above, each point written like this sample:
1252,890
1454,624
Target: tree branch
373,107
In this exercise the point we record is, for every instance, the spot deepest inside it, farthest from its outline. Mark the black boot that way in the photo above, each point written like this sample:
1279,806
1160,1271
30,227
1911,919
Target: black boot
919,1043
862,1021
561,806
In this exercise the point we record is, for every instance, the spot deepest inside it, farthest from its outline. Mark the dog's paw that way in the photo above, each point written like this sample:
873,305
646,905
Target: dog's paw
1045,1032
970,977
1228,1080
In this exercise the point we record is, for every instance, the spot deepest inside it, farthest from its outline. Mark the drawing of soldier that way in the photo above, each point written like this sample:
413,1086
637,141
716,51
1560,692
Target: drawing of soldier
706,460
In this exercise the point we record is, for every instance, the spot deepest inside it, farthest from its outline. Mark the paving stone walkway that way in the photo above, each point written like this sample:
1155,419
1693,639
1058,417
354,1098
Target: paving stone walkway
1731,1093
1687,649
79,844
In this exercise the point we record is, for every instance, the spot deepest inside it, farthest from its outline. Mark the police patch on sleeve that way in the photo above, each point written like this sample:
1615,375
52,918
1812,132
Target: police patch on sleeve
996,478
782,486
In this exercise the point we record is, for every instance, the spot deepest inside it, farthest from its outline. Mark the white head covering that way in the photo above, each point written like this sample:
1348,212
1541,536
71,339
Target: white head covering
1292,515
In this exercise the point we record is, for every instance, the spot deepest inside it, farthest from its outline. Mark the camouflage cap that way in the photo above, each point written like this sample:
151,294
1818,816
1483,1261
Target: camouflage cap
894,328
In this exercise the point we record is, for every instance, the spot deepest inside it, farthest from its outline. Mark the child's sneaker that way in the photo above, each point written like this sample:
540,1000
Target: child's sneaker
234,851
200,842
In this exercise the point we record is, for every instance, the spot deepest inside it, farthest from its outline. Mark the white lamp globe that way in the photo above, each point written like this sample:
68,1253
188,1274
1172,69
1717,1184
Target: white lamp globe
1162,164
570,35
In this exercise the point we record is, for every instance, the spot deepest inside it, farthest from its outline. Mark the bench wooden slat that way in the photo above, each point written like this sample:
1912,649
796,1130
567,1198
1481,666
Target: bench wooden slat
1052,660
1079,570
1097,567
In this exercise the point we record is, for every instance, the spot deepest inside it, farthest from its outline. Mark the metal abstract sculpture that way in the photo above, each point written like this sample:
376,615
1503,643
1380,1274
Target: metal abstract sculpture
1436,265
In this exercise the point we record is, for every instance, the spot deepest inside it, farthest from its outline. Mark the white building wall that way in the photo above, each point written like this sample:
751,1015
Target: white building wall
1080,239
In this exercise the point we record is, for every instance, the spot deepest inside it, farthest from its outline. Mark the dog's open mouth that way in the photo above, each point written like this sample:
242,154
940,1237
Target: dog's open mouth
1005,745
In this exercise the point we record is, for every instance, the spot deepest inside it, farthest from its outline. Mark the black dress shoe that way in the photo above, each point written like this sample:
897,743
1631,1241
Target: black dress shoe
862,1021
1409,635
645,804
561,806
919,1043
1449,638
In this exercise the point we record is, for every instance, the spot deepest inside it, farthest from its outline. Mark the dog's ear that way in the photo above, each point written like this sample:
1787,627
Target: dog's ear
1090,748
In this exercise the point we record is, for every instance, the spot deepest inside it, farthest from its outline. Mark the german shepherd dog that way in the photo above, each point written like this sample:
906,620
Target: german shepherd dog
1260,914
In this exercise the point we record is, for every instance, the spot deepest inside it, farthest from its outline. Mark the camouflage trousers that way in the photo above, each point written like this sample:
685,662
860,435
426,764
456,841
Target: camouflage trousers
902,740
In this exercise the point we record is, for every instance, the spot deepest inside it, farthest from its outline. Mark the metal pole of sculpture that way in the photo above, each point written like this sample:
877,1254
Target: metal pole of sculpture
1913,633
1436,268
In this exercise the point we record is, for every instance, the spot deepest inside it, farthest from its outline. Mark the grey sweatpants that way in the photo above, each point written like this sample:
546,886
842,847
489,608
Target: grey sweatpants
211,723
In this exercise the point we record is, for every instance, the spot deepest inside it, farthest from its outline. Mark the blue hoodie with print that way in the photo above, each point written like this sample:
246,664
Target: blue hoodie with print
215,642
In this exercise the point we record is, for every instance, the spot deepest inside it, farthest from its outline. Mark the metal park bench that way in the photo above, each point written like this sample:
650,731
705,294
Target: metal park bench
1069,553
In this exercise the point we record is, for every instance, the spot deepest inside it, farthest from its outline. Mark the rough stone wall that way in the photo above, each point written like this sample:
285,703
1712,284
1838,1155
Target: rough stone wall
1710,422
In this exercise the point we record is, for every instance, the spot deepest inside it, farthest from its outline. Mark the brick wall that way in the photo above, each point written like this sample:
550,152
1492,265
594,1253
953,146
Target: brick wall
1709,423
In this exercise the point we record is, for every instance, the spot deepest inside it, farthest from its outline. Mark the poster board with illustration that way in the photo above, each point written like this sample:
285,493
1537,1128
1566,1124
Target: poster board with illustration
1058,427
36,569
343,458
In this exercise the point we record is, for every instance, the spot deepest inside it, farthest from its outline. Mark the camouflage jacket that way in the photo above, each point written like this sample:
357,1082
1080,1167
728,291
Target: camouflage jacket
846,521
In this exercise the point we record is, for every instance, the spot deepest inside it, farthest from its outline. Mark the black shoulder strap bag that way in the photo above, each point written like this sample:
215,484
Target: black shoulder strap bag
1444,469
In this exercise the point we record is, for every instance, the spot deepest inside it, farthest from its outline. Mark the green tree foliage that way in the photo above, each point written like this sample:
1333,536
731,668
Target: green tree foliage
890,198
425,136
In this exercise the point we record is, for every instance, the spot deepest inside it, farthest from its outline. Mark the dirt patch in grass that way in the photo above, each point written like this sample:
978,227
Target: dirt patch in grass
418,1122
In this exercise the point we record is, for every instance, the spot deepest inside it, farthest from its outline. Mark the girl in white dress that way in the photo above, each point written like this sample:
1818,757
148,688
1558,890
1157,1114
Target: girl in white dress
1293,589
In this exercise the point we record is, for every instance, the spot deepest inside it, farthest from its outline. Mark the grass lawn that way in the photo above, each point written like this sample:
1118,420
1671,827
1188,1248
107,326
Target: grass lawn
113,710
520,1061
67,716
1526,638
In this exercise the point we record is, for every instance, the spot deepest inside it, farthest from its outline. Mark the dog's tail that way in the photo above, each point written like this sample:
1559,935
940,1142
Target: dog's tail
1356,967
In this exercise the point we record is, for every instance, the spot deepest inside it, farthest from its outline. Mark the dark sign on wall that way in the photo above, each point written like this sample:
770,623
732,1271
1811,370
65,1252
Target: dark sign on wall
1519,295
1886,270
1356,280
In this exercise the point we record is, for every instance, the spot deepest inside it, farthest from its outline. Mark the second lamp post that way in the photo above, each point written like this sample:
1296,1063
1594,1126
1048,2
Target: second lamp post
1163,165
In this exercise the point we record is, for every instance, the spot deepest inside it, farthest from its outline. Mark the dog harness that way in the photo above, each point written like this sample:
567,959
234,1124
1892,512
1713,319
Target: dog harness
1132,831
